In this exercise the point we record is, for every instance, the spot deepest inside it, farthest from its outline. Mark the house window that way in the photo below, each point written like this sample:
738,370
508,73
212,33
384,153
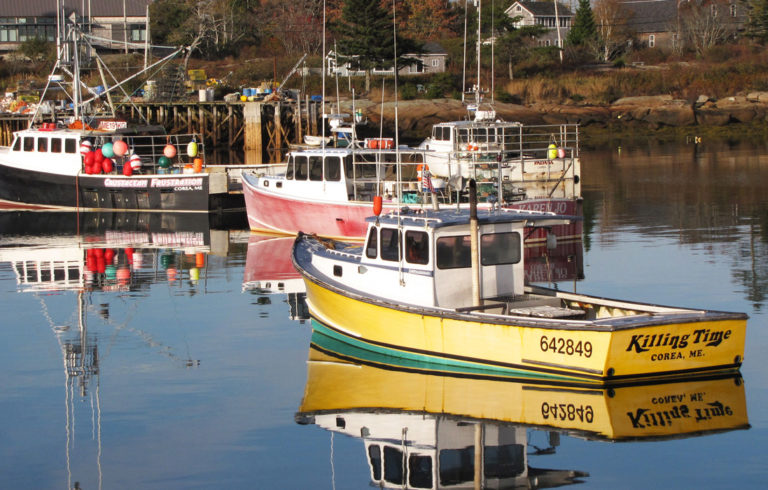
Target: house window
138,33
651,41
733,10
713,10
435,63
518,9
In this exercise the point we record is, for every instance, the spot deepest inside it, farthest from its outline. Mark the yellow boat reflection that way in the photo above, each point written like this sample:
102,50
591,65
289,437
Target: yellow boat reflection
438,431
658,410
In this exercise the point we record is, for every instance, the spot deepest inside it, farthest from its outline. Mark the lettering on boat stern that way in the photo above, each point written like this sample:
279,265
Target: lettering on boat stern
677,346
643,418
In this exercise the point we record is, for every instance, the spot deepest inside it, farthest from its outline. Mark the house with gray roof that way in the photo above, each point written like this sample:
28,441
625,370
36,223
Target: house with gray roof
114,22
556,17
661,24
432,59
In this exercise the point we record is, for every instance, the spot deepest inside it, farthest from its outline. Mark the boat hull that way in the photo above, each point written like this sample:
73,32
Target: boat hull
287,214
452,342
269,212
24,188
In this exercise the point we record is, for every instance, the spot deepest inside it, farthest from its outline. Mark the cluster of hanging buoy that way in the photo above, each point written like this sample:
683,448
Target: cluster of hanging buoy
169,263
102,160
108,266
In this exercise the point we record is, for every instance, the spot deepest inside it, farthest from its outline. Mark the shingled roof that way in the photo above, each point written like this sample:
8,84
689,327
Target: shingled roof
546,9
650,15
47,8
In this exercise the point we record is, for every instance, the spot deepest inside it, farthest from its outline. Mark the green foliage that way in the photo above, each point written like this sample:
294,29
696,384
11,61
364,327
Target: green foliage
439,85
583,30
166,17
409,91
38,49
366,37
757,20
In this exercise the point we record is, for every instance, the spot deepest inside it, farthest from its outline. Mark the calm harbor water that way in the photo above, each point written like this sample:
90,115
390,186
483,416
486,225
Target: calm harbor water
159,352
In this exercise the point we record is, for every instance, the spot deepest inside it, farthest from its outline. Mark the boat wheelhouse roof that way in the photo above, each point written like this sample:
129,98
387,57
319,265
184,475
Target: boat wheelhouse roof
479,124
452,217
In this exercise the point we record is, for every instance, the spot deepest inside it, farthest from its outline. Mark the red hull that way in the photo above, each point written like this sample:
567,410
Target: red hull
277,214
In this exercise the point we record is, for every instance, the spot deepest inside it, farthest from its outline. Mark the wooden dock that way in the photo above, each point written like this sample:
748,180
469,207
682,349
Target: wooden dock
261,128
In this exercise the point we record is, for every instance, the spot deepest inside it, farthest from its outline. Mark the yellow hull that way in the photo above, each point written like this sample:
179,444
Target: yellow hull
659,410
455,342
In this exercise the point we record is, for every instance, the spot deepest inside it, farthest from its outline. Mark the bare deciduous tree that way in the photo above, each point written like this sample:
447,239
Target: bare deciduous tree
611,21
702,24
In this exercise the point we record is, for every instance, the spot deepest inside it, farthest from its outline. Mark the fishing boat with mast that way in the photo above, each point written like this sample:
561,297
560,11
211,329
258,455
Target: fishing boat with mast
485,147
89,160
445,290
329,191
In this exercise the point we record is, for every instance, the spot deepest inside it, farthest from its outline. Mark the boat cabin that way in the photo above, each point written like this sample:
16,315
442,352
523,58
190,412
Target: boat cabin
425,258
348,175
62,146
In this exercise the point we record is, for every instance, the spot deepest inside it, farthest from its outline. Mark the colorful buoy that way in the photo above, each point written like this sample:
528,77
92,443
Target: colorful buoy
169,151
120,148
107,165
135,162
85,147
192,149
164,162
107,151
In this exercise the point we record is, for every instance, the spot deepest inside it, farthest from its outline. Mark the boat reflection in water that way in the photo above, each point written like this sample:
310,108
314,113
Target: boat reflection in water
269,271
430,431
93,259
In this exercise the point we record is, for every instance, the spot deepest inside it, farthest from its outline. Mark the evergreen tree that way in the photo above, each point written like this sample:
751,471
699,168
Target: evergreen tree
583,31
366,38
757,20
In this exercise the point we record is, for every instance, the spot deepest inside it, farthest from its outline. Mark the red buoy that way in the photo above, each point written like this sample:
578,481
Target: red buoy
377,205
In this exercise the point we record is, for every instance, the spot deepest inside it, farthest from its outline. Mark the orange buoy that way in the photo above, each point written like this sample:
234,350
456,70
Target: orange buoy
200,260
377,205
197,165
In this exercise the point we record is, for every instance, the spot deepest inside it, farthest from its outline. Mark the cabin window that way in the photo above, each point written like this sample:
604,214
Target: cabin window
17,144
506,461
55,145
362,167
457,466
463,136
372,249
333,169
29,143
441,133
500,248
300,167
315,168
416,247
42,144
481,135
393,465
289,169
453,252
419,471
390,244
70,145
374,456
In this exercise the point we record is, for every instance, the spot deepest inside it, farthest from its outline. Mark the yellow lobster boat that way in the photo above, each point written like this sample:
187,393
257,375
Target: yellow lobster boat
444,291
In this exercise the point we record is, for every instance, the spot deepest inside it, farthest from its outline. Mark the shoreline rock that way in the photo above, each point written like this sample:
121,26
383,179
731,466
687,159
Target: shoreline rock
416,117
